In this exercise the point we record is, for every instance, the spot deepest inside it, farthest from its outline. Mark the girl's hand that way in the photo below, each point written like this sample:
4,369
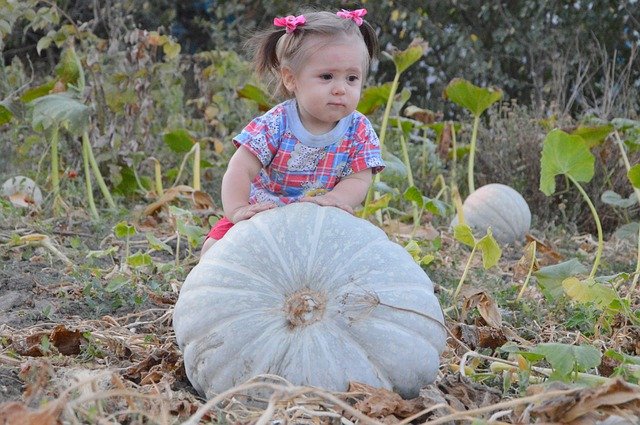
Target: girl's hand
328,200
248,211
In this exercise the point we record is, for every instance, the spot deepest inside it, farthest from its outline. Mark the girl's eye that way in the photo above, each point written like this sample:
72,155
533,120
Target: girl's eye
325,76
352,78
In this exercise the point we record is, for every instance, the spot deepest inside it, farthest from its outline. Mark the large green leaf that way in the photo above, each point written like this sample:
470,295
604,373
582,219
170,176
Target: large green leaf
565,154
374,97
179,140
255,93
463,234
403,59
589,292
593,135
550,278
566,359
61,110
490,249
471,97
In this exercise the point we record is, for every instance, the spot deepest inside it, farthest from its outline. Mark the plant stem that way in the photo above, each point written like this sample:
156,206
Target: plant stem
467,267
158,177
472,153
87,177
96,172
627,165
596,262
533,262
196,167
55,178
407,163
383,134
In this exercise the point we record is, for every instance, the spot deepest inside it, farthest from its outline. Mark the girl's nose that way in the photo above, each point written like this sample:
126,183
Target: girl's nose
338,88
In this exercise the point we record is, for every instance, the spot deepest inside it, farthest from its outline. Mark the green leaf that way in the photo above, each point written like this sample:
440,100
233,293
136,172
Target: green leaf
634,176
374,97
156,244
490,249
60,110
593,135
5,115
393,164
610,197
378,204
471,97
139,259
564,154
413,194
68,69
193,233
463,234
171,49
589,291
550,278
255,93
566,359
123,230
36,92
436,207
43,43
179,141
116,283
624,124
405,58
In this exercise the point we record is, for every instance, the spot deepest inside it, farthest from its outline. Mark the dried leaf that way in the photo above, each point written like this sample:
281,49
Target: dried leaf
545,249
521,269
592,404
16,413
381,403
487,307
67,342
202,200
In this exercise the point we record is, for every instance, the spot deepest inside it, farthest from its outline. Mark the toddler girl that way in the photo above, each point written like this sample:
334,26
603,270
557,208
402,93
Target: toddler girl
314,147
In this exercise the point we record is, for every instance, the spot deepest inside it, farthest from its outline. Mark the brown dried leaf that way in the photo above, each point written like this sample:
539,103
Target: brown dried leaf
67,342
486,305
168,196
445,142
545,249
16,413
590,403
381,403
479,336
521,269
202,200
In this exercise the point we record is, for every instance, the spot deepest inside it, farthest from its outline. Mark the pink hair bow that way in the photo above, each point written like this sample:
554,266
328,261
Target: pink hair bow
354,15
290,22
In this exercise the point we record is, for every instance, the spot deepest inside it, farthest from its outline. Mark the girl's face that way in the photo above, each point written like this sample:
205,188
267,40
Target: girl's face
327,87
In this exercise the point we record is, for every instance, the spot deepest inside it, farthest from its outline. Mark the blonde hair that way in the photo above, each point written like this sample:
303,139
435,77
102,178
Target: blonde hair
274,48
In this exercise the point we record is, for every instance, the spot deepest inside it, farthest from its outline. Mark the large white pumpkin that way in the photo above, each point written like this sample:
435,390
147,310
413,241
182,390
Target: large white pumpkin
500,207
294,292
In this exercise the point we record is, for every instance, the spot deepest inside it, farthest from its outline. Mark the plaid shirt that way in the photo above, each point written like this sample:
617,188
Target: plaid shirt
296,162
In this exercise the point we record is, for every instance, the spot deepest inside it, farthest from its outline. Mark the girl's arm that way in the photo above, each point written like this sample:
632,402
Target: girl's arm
243,167
348,193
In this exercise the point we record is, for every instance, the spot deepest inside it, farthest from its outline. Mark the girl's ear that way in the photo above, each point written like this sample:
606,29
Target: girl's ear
288,78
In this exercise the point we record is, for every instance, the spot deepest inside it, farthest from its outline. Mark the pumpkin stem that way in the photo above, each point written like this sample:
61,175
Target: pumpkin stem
305,307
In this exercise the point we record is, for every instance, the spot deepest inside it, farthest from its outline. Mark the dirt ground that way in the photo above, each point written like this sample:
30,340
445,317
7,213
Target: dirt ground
61,326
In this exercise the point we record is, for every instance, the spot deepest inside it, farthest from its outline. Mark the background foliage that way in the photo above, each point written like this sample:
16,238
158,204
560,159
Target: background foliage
558,61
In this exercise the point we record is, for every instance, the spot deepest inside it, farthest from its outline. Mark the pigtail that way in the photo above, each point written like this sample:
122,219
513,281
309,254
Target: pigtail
370,39
263,47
